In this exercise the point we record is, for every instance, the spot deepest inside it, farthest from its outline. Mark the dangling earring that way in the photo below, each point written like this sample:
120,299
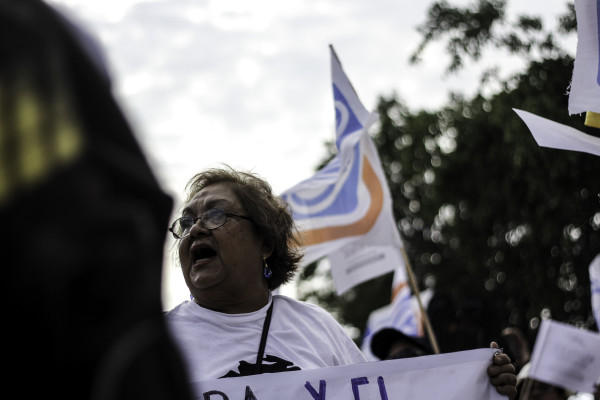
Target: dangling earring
266,270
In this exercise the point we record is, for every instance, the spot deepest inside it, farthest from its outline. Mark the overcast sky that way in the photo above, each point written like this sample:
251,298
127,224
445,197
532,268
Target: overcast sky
248,82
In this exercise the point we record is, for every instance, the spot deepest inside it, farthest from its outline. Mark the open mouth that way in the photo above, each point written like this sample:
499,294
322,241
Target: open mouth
202,253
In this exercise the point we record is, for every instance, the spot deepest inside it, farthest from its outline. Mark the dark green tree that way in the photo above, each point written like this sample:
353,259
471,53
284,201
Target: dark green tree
468,31
503,229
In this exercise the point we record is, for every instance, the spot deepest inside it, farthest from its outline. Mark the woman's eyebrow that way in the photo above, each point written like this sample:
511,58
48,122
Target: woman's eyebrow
212,203
216,203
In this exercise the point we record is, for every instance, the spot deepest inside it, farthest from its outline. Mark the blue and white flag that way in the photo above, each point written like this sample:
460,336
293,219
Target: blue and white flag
345,211
595,288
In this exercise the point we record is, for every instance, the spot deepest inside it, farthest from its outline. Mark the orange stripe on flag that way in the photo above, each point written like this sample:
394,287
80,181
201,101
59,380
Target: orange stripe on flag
360,227
398,289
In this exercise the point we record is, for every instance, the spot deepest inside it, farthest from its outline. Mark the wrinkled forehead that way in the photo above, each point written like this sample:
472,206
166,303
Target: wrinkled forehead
218,195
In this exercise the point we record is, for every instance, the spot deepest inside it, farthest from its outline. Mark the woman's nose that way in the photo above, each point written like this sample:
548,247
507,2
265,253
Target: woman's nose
198,229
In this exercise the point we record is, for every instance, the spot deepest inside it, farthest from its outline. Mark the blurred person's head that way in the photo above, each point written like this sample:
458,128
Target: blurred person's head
390,343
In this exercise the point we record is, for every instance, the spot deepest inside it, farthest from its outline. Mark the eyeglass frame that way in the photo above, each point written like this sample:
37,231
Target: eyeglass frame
194,220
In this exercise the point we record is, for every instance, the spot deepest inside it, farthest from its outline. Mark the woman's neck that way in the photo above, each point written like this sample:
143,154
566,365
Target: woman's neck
232,304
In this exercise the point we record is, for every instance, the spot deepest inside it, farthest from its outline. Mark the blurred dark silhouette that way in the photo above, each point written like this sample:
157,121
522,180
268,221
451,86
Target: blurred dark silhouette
83,223
517,346
390,343
467,325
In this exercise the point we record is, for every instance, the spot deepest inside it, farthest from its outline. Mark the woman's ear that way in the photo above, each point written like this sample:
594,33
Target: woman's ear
267,249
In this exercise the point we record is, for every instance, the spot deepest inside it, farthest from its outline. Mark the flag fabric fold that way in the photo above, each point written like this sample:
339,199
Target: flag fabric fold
551,134
344,211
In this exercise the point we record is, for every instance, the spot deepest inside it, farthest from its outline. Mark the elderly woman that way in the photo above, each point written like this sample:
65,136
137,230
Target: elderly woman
237,242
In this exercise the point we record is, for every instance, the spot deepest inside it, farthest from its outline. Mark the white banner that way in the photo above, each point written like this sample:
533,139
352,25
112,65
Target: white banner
585,85
460,376
566,356
344,211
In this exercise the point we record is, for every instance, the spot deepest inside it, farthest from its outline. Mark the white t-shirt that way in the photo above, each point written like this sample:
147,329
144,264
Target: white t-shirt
301,336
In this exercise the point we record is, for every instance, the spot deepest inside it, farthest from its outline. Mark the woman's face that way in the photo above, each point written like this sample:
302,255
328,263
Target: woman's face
223,266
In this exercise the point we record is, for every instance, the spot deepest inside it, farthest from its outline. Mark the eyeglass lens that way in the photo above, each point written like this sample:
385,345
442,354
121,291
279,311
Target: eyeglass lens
211,219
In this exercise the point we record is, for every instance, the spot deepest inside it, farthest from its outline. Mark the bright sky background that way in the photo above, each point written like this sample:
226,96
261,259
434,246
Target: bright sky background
248,82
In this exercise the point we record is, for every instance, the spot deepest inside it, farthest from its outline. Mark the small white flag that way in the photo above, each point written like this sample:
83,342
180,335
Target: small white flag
566,356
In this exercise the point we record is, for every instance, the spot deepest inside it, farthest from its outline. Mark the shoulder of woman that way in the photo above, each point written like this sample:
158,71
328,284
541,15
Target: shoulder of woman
301,306
175,311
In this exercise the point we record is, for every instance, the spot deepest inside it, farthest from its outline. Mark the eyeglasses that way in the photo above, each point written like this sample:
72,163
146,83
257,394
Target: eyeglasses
211,219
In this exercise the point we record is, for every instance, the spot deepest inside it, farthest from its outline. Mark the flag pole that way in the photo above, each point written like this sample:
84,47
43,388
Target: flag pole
526,389
415,289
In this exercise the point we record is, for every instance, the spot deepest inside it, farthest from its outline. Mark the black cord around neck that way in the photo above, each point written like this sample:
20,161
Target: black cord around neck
263,339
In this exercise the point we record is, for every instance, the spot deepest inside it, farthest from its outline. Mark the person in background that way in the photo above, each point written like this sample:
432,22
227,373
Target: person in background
390,343
83,224
237,243
518,346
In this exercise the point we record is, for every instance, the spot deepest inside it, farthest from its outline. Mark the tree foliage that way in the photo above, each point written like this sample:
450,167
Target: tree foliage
485,212
467,31
502,229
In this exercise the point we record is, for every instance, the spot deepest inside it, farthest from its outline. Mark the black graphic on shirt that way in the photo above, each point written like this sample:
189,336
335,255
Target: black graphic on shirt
270,365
